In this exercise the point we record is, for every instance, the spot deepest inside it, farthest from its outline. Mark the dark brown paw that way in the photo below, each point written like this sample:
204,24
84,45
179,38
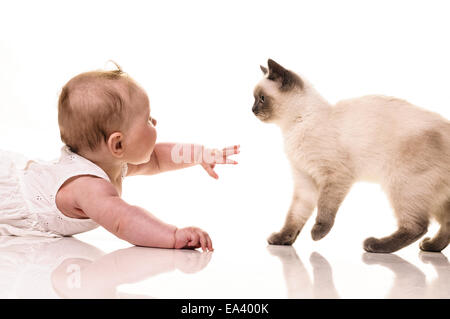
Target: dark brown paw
320,229
374,245
429,245
282,238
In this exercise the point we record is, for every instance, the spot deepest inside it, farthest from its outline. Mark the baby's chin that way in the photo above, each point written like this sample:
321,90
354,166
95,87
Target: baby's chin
140,160
144,158
148,157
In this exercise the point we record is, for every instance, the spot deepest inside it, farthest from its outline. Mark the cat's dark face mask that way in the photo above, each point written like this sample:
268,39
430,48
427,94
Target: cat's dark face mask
262,107
285,80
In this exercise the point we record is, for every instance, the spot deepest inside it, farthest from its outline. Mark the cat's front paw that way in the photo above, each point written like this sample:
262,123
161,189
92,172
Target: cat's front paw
282,238
320,229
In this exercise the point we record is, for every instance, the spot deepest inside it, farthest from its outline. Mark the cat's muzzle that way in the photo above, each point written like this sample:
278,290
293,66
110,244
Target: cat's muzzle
255,109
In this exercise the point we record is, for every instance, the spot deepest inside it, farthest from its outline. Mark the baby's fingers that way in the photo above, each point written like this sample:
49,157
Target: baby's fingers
229,150
210,171
209,243
205,241
230,161
225,160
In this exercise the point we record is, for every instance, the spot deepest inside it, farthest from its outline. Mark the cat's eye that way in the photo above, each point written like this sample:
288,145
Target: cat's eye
261,98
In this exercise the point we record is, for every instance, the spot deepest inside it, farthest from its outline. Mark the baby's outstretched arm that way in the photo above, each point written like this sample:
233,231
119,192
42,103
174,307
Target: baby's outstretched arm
173,156
99,200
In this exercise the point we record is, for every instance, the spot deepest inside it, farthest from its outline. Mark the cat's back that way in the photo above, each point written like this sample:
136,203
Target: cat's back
377,129
389,106
386,115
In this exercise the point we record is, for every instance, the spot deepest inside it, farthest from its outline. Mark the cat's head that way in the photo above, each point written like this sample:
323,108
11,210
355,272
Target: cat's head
275,92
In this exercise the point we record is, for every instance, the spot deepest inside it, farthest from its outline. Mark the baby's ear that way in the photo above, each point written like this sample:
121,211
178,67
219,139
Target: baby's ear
286,78
115,144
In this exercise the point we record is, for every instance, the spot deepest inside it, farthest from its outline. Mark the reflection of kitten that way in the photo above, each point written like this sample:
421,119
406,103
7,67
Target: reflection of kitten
374,138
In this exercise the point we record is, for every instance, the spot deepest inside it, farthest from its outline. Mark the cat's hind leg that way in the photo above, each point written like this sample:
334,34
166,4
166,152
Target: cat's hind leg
411,209
438,242
442,238
303,203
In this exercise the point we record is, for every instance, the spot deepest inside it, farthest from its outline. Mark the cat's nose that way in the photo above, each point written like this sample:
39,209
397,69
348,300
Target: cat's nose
255,109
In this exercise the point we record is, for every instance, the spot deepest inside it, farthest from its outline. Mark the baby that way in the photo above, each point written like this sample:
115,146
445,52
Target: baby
106,123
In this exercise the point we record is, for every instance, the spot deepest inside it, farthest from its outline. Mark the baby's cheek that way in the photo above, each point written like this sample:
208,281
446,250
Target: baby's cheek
151,140
154,135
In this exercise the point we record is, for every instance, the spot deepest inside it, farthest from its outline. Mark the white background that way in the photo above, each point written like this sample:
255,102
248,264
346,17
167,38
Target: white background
199,62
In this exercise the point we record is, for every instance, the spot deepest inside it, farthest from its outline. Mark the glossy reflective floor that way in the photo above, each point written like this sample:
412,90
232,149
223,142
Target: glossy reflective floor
98,265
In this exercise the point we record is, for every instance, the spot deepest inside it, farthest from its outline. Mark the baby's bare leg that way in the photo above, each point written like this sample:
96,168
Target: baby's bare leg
302,205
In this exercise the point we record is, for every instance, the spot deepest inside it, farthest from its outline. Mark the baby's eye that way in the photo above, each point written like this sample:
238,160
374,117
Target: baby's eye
261,98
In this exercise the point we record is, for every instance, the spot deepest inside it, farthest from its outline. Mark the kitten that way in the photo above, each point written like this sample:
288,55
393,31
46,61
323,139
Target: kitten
373,138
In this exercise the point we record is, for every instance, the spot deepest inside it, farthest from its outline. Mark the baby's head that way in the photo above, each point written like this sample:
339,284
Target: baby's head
107,112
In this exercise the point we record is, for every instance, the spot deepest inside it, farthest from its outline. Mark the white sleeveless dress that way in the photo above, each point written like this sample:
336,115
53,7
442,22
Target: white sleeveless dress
28,190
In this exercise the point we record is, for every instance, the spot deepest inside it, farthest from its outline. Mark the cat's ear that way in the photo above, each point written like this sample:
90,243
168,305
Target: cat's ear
286,78
263,69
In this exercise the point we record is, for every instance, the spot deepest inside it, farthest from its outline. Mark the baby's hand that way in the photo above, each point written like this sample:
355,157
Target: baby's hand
191,238
211,157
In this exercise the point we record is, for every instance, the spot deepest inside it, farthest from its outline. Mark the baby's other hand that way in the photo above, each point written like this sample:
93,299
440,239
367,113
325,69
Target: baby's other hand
191,238
211,157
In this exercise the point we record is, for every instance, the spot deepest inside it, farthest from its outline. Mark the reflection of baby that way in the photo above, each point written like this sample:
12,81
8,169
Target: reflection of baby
27,263
106,124
40,267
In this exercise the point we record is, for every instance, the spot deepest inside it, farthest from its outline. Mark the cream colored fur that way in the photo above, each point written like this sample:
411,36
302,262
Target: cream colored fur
380,139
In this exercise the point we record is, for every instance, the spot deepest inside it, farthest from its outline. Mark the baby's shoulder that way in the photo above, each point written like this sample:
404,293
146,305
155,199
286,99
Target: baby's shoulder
84,185
79,187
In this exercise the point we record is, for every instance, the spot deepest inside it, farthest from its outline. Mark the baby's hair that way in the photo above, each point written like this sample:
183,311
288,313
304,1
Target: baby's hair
92,105
118,68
